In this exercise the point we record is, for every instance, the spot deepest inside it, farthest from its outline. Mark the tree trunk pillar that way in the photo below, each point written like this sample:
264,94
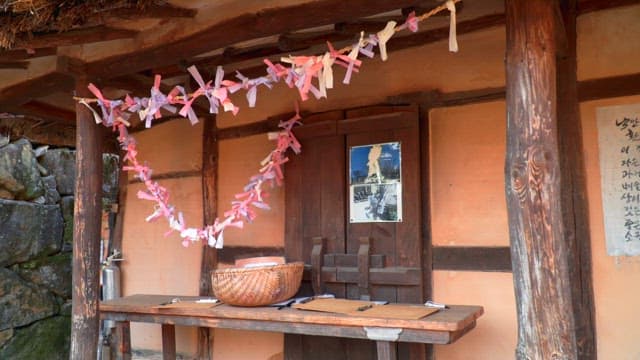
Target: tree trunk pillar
533,184
85,320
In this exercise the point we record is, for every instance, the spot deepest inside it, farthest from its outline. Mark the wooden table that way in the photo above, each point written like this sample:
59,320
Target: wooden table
443,327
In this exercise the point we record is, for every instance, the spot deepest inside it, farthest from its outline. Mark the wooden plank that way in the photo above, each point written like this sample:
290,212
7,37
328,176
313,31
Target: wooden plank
614,86
533,189
573,187
209,260
169,342
455,318
73,37
472,258
400,276
170,175
244,27
87,217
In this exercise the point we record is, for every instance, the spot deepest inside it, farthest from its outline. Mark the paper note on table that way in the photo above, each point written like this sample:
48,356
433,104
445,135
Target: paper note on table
340,306
396,311
188,305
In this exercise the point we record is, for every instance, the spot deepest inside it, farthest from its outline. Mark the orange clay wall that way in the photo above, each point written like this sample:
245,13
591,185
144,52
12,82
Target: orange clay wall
468,205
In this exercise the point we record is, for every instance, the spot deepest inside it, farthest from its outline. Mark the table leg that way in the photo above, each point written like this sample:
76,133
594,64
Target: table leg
168,342
122,340
386,350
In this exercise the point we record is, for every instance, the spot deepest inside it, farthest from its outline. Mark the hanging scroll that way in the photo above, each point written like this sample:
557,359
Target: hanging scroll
619,141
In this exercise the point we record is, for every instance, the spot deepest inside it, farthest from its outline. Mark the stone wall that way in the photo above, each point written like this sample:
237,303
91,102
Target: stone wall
36,222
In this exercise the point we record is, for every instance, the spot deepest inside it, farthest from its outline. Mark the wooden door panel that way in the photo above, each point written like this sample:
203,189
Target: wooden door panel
316,202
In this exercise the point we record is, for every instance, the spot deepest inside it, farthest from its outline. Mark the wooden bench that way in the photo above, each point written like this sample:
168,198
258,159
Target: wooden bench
443,327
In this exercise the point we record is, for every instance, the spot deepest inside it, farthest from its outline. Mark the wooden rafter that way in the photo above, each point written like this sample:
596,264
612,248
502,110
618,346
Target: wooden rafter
26,54
152,11
14,65
241,28
74,37
47,112
36,87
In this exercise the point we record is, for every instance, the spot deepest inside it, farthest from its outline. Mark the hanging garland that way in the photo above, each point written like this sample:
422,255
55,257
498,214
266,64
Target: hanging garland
299,74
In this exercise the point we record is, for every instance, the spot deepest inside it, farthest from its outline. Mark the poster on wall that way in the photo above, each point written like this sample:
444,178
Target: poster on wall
619,147
375,186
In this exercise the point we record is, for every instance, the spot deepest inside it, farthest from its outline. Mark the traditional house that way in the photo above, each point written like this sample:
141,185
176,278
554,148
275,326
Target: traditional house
508,191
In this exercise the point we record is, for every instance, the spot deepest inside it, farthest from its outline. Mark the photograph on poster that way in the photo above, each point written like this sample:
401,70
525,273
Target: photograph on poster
375,183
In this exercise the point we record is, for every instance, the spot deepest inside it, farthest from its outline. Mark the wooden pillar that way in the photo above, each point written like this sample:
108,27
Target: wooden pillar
575,207
86,232
209,205
539,250
425,186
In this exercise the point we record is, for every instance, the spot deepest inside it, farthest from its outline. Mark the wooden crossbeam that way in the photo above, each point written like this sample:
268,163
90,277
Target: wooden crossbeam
153,11
26,54
73,37
36,87
14,64
587,6
48,112
241,28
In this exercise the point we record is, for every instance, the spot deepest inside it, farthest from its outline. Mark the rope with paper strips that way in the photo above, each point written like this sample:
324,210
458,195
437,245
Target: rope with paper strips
300,74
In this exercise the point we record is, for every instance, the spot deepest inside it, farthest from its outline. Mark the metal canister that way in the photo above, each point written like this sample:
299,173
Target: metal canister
110,283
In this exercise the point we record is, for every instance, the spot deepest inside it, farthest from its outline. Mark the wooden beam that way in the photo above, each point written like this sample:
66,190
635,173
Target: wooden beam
209,260
304,40
38,131
86,234
48,112
573,188
593,89
614,86
539,253
153,11
170,175
258,127
14,65
587,6
472,258
26,54
33,88
241,28
430,36
73,37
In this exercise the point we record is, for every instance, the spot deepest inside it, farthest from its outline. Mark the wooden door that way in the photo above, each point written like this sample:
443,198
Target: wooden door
376,260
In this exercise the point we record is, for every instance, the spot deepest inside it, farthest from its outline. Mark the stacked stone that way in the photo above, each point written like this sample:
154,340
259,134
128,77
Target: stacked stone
36,233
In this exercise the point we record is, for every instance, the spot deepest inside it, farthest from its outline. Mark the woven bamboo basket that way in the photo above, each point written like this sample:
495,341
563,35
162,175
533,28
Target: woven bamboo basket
257,286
